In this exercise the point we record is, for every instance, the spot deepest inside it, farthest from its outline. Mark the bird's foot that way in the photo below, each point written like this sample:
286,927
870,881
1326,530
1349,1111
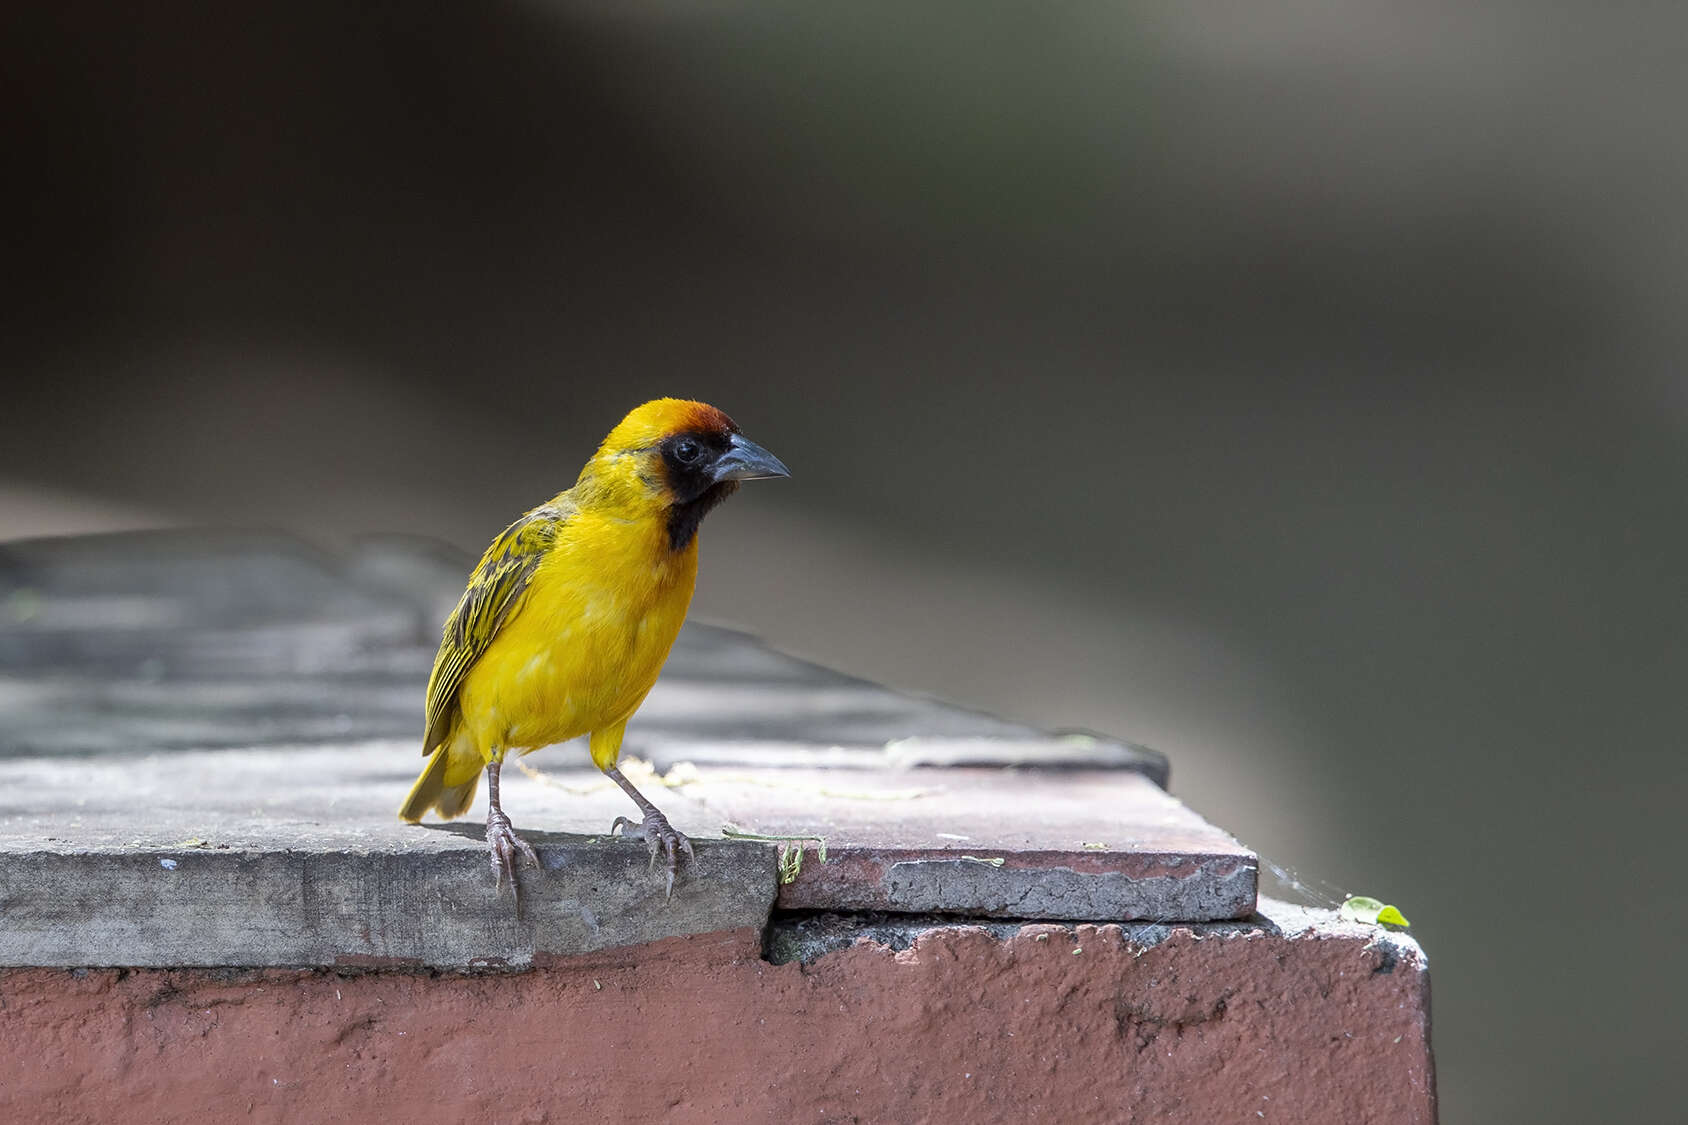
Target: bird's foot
505,846
661,837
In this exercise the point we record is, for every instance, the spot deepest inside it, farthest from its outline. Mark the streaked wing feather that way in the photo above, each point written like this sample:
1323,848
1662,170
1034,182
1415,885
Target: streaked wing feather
494,595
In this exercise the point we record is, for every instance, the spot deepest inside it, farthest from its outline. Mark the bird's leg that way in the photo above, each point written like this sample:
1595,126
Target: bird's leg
501,839
659,835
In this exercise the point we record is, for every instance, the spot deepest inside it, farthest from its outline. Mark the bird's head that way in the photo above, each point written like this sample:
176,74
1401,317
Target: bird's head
677,459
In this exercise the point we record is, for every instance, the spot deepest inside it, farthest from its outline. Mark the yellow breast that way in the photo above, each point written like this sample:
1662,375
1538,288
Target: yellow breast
589,638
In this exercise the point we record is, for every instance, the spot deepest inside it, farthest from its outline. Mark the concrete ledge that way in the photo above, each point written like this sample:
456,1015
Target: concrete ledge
433,906
206,736
292,856
1292,1016
212,912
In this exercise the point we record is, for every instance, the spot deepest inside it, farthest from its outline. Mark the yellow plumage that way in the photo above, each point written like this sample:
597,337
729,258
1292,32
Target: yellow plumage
571,612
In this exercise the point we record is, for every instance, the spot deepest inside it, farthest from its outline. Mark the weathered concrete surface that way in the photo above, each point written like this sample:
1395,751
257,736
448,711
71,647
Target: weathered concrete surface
204,737
166,641
427,907
1072,844
1269,1021
293,856
202,742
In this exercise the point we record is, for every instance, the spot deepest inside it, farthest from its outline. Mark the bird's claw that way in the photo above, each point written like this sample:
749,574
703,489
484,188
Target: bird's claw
661,838
505,846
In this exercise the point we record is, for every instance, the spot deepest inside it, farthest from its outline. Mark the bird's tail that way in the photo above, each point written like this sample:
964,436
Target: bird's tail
432,792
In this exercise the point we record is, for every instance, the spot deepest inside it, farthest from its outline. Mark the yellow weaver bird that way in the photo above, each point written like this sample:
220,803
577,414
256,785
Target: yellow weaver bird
570,614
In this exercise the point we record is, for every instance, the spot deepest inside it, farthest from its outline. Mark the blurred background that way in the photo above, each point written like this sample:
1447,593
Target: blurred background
1293,387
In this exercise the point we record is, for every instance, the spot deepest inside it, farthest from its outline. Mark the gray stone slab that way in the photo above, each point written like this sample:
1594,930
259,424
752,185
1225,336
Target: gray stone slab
293,856
167,641
1071,844
424,907
204,738
1098,846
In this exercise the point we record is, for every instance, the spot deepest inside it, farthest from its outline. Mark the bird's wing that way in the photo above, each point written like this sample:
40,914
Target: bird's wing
495,593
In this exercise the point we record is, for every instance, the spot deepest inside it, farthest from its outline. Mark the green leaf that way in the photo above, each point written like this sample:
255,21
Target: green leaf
1359,908
1389,916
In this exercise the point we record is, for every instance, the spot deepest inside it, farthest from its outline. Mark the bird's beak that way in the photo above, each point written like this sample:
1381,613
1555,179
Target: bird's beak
745,460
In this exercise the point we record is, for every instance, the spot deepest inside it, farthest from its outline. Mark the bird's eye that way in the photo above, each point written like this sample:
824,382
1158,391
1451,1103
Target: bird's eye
687,450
